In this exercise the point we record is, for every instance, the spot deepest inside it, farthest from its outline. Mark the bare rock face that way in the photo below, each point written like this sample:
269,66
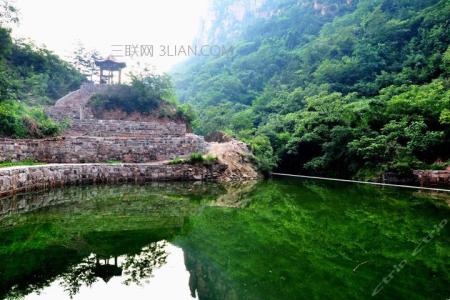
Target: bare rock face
238,159
219,137
226,20
432,178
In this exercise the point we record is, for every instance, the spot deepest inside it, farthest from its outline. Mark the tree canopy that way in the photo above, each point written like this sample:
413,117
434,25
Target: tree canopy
29,78
345,88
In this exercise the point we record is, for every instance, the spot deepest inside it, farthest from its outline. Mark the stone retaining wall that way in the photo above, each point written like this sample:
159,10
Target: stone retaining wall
62,113
86,149
19,179
106,128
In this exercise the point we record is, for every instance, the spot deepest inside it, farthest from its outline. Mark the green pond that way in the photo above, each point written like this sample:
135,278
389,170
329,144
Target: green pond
276,239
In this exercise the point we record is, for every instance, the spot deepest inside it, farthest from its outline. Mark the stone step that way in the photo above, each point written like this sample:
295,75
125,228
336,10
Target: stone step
79,97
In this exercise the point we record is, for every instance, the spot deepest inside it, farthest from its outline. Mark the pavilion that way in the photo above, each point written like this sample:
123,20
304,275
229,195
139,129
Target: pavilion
110,66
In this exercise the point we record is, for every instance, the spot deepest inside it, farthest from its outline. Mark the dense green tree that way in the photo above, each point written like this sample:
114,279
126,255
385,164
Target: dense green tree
345,88
29,77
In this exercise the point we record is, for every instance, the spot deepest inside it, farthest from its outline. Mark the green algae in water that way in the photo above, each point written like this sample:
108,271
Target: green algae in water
278,239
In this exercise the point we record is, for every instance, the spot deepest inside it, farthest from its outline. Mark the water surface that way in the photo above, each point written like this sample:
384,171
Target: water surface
278,239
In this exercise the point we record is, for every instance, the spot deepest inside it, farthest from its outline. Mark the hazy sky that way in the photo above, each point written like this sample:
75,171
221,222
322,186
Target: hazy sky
100,24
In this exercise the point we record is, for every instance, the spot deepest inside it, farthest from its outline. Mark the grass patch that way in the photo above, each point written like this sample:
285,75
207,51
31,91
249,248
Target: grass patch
195,158
113,162
210,159
177,161
27,162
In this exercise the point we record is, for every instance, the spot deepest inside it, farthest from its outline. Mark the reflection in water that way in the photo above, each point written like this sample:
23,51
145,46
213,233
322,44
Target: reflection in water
132,269
74,197
164,281
138,267
280,239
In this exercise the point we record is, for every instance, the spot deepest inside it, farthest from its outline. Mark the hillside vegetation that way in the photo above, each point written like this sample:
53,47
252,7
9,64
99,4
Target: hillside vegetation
148,96
30,77
341,88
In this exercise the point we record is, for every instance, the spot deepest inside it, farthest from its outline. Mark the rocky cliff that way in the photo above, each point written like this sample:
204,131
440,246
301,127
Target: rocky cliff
226,20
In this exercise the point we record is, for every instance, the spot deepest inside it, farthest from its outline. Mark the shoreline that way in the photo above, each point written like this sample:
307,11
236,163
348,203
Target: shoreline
363,182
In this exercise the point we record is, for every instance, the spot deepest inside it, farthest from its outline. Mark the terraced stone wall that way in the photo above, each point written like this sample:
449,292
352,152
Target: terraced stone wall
86,149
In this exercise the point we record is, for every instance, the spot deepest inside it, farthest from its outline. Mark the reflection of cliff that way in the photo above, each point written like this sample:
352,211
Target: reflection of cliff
206,281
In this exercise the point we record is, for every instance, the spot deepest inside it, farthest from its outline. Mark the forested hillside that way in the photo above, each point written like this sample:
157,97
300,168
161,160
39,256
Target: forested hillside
29,77
336,87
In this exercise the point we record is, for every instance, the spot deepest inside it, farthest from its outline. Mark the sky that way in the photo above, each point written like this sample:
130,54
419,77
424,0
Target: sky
110,25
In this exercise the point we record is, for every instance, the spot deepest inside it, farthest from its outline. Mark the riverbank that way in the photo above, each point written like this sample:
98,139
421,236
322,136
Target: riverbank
27,178
400,185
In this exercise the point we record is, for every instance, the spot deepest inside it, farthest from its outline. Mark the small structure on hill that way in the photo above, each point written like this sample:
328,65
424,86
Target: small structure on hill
110,66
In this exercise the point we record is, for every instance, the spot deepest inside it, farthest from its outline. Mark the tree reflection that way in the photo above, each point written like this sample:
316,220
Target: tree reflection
141,266
133,268
83,273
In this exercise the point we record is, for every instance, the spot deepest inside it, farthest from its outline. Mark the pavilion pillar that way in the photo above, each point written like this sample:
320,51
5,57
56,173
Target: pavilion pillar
120,76
101,75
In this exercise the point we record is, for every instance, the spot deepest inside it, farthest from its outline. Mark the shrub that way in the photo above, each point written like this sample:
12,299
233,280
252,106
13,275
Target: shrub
196,158
145,94
210,159
405,166
264,157
17,120
123,97
439,165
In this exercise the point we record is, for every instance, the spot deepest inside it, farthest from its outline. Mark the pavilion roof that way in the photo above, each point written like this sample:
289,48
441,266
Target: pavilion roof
109,64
